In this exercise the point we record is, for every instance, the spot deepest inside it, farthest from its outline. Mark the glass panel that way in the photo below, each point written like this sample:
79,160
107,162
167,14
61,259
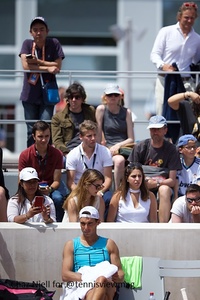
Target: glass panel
7,22
7,62
91,63
80,22
7,131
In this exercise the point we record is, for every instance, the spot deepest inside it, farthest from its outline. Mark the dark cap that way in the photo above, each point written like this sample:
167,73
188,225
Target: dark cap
38,20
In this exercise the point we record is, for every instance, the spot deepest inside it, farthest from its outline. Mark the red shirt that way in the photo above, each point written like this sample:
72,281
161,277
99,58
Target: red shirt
46,166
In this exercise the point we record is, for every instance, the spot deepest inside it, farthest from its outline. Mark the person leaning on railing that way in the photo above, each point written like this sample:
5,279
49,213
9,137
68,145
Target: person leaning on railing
179,44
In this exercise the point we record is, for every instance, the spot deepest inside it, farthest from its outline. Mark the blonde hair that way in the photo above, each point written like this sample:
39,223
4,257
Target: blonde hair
87,178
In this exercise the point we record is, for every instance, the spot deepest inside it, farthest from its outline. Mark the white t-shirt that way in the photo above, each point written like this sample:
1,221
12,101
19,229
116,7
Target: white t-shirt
15,209
188,175
180,209
78,161
128,213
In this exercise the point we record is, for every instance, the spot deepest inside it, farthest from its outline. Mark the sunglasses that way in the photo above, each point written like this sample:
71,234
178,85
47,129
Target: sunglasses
190,200
97,186
190,4
76,97
134,164
111,95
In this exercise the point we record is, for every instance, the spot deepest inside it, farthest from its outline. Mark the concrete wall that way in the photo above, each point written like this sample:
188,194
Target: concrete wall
33,252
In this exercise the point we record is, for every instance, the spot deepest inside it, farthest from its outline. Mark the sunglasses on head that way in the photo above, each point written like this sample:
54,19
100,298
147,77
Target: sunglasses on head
134,164
114,94
190,4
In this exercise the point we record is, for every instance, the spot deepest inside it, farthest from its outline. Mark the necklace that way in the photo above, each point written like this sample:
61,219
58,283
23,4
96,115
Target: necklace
134,191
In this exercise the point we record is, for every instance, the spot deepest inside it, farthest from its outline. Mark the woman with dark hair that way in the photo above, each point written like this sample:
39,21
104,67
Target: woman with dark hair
133,202
22,206
85,194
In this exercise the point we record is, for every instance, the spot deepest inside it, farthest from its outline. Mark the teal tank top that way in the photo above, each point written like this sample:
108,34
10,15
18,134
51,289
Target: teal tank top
90,255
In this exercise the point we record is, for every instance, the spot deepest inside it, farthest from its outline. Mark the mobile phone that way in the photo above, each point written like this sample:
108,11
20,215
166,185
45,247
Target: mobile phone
39,201
43,185
29,56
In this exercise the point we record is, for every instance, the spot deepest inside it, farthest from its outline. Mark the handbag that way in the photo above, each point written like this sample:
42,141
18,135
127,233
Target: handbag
155,172
20,290
126,150
49,90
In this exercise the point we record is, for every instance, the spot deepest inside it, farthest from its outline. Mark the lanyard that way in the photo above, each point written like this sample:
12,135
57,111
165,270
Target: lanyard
43,52
93,163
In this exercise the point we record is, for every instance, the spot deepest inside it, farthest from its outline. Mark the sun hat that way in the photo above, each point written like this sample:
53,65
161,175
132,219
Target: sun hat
89,212
28,174
157,122
184,139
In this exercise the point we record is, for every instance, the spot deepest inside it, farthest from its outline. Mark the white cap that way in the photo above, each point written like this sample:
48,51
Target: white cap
28,174
157,122
112,88
89,212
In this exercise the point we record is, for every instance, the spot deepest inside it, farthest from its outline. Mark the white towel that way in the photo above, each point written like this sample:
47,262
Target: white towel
89,275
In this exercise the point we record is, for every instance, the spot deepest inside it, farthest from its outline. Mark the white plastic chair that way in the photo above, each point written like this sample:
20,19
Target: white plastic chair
155,270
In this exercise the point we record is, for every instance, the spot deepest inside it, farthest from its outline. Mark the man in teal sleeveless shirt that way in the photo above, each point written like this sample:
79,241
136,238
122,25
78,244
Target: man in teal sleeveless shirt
91,250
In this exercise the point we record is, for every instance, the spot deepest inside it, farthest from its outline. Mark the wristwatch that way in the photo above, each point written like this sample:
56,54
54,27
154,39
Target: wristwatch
51,189
161,67
101,193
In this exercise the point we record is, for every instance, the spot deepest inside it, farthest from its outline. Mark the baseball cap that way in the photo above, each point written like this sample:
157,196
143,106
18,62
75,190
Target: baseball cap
112,88
184,139
28,174
157,122
40,20
89,212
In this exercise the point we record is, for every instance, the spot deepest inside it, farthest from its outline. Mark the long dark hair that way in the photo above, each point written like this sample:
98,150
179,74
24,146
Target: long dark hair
124,185
21,194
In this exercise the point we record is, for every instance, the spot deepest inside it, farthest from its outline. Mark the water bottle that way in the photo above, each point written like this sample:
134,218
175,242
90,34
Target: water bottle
151,296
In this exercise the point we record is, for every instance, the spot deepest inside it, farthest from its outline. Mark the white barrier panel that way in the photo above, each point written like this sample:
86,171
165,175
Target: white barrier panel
33,252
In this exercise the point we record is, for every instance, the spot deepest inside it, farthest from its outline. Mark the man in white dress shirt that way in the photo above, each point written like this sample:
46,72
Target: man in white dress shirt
179,44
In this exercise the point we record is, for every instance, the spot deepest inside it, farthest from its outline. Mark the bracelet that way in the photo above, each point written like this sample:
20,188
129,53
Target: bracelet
158,184
102,193
27,218
49,220
51,189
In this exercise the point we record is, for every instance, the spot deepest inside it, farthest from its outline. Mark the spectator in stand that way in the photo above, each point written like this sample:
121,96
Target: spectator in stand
84,194
65,124
116,127
158,152
133,202
91,250
178,44
186,209
47,55
90,155
21,206
190,172
48,163
187,106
